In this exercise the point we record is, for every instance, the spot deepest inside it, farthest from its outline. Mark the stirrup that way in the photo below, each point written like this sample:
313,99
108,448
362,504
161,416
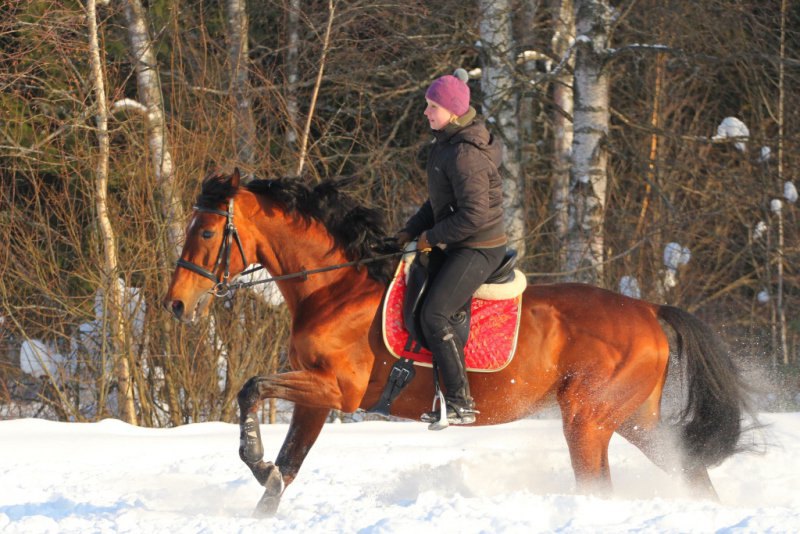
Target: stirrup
467,417
448,415
442,421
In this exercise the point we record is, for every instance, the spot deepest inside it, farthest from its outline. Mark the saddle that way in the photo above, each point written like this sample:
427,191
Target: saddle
422,270
487,325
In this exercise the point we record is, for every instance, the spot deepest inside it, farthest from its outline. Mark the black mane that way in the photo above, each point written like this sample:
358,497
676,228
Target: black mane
356,229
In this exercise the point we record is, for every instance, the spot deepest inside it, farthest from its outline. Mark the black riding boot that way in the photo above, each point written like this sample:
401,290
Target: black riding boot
448,352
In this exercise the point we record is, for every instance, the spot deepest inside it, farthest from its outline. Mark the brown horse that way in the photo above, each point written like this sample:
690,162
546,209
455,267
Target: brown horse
602,356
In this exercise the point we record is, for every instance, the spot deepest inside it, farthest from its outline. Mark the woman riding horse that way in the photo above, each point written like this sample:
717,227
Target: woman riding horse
601,355
464,217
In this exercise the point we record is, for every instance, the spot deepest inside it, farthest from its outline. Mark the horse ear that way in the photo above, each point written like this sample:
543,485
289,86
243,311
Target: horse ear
235,177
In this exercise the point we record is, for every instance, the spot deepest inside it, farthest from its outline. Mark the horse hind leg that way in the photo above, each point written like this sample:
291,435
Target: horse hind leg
661,445
588,450
587,440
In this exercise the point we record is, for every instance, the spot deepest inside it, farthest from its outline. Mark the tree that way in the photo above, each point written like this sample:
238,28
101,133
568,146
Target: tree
563,16
147,79
588,175
500,107
113,290
244,125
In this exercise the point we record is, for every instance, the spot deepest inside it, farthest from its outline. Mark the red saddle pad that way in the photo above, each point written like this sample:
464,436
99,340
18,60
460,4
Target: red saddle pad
492,337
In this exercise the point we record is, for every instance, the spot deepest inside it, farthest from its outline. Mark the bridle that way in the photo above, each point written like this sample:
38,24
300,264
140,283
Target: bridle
221,286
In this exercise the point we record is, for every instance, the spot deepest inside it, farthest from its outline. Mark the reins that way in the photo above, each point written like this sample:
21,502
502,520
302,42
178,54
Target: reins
304,274
222,287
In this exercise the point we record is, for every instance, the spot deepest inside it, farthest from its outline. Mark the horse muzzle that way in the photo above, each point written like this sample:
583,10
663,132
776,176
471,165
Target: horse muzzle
184,313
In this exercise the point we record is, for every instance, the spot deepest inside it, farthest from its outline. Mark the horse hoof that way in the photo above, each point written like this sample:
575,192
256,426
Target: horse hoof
267,507
273,489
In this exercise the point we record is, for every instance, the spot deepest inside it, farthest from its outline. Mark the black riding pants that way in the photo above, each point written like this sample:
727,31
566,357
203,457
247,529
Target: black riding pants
460,275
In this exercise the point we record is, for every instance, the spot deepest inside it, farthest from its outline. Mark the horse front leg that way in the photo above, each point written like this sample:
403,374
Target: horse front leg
251,451
314,395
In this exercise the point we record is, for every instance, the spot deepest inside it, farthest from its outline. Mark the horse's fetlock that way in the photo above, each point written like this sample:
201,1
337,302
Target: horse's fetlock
268,475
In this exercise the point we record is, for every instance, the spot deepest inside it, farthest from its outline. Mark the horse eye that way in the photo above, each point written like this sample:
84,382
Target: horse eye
207,234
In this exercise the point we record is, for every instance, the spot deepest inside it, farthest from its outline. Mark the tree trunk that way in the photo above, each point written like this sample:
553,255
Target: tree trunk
524,21
563,37
781,111
244,127
113,291
326,45
292,69
149,87
588,176
500,107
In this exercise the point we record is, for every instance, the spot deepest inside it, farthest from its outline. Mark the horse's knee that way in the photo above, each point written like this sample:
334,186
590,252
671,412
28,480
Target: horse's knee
248,396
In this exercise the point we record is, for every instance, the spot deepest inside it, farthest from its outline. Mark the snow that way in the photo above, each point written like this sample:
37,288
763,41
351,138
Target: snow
39,359
629,286
676,255
268,292
372,477
759,230
733,127
790,192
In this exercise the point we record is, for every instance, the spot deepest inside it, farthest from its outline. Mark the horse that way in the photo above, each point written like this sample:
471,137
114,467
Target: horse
601,356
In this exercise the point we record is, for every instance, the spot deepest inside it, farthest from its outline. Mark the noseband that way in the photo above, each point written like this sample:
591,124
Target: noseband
221,286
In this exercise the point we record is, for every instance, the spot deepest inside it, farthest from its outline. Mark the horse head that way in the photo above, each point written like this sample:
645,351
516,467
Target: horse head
213,251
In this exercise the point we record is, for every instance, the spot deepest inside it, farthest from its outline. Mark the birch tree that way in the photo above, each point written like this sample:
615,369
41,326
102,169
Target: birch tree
149,88
588,175
500,106
244,129
292,69
562,41
113,290
152,108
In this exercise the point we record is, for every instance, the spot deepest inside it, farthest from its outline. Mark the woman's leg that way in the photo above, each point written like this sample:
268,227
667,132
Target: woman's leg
462,272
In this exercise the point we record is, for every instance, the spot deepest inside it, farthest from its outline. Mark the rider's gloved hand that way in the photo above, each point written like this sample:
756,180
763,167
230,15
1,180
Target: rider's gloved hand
403,238
422,243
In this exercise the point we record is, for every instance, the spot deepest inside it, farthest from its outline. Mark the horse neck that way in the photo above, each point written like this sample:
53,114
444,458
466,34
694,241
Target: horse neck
287,244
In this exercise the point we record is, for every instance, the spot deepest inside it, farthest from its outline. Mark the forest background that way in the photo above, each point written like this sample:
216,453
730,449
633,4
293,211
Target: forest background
651,148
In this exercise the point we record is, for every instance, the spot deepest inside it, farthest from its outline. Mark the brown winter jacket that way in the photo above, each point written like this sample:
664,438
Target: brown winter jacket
465,190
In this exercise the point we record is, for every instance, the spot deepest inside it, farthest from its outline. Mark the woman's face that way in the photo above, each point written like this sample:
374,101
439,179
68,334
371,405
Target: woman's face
438,117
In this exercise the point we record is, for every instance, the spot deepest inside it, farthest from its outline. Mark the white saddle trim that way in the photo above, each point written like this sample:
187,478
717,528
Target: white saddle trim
508,290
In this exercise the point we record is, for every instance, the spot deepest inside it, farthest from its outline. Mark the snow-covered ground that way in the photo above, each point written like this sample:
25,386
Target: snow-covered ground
372,477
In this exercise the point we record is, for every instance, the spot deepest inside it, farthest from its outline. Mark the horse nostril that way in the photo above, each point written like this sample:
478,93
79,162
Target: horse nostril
177,308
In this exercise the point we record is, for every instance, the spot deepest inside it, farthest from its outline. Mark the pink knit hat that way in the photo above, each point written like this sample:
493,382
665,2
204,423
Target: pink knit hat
451,92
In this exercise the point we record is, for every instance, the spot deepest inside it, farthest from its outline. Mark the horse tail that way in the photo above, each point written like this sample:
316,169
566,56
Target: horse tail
711,422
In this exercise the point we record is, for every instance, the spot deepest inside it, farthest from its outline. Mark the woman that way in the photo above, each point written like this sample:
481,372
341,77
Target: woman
463,216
